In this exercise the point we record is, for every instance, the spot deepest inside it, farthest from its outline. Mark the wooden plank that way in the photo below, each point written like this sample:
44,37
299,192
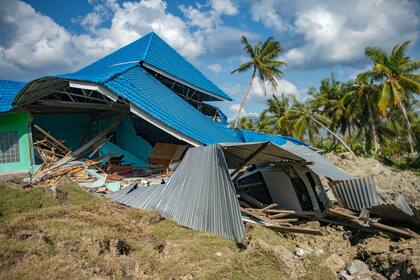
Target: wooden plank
75,154
291,220
271,206
279,215
49,136
296,230
399,231
373,224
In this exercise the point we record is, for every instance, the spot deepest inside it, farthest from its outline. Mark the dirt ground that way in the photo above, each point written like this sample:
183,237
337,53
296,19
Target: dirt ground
82,236
387,179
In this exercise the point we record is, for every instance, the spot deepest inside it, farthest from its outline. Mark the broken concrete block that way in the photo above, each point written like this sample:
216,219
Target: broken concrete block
358,269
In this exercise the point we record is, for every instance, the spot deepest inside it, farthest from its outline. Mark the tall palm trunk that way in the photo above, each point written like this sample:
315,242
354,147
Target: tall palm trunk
409,131
373,127
244,98
336,136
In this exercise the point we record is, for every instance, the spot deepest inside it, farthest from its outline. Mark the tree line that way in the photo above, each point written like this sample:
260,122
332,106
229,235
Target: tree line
374,114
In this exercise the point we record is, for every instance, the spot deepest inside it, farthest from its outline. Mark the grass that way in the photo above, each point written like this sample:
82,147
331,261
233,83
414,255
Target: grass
89,237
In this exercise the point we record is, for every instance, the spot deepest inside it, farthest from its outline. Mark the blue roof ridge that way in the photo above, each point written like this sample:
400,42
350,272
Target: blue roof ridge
151,34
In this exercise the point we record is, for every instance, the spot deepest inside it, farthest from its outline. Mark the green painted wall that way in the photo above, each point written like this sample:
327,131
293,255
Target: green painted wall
70,128
18,121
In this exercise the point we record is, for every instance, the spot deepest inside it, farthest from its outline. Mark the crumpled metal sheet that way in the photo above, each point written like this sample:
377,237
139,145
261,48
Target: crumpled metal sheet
398,210
319,164
200,195
356,194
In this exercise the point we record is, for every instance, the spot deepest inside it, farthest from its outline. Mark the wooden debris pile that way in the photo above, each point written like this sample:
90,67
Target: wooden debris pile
292,221
103,174
49,149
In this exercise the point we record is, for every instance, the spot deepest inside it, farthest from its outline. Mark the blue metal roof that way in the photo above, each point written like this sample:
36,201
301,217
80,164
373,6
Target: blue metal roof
253,136
148,94
8,92
154,53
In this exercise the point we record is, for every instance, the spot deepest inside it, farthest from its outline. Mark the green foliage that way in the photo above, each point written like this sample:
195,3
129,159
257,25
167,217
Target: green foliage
263,63
375,114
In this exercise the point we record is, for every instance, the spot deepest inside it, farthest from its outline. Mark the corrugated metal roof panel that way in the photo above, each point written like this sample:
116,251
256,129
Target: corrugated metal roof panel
254,136
8,92
165,58
320,164
356,194
142,90
398,210
152,50
200,195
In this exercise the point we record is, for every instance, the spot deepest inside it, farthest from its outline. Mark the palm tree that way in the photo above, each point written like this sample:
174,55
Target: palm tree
360,105
277,109
399,77
264,124
246,123
263,64
307,121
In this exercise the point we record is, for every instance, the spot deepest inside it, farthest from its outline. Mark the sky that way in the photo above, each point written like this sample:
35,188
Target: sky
318,37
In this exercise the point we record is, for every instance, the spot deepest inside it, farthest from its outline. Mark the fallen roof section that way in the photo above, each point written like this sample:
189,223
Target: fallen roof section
200,195
320,165
251,153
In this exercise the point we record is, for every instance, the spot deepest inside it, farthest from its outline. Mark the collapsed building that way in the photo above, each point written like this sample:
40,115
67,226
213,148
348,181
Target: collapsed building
123,124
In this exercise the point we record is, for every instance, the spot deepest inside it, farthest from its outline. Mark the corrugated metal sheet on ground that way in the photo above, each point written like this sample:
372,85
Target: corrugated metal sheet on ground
200,195
8,92
356,194
320,165
398,210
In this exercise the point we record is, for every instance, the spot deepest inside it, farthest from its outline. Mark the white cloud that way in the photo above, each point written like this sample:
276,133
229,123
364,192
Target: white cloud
215,68
33,45
234,108
208,16
232,89
132,20
220,40
224,7
30,41
336,32
283,87
265,12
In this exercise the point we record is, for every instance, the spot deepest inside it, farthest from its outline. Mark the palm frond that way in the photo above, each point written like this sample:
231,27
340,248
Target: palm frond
243,68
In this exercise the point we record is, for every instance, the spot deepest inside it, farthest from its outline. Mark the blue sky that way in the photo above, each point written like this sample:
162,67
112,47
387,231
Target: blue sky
39,37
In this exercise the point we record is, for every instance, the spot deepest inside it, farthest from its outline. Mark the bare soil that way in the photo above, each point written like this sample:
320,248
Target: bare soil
387,179
83,236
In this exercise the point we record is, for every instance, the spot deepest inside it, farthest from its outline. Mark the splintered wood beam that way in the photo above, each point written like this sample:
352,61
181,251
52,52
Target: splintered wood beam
296,230
249,158
49,136
97,140
271,206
